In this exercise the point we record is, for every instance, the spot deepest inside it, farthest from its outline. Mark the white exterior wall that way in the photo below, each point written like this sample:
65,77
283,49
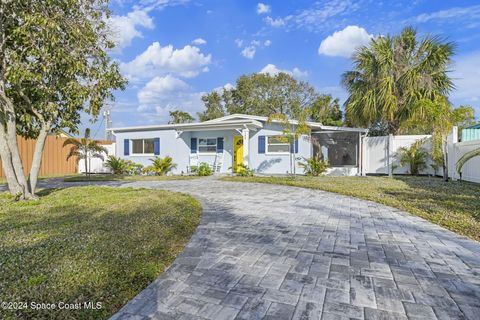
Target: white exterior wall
177,147
97,165
227,147
275,163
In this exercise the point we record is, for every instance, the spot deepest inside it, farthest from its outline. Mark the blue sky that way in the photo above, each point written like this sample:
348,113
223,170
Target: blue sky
173,51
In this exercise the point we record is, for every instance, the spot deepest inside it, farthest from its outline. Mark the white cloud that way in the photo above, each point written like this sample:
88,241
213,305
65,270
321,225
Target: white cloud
126,28
239,42
249,52
274,22
316,17
227,86
163,94
263,8
160,4
321,15
199,41
157,60
343,43
456,13
466,77
272,70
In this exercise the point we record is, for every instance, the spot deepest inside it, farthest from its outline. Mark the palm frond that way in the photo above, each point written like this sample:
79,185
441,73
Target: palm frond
466,157
74,153
72,141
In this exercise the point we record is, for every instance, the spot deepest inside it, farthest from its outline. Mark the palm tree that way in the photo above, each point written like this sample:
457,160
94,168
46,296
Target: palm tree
392,74
85,148
463,159
438,117
116,165
415,156
162,166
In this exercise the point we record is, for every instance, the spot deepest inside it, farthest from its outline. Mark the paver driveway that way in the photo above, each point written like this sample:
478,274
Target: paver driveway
278,252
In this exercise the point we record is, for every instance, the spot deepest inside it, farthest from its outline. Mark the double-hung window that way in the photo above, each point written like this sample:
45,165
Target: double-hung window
207,145
142,146
278,144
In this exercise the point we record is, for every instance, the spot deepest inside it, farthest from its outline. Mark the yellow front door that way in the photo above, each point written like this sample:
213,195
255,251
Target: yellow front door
237,152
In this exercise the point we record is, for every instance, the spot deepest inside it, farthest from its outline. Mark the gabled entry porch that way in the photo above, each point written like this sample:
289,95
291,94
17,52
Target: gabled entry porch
224,146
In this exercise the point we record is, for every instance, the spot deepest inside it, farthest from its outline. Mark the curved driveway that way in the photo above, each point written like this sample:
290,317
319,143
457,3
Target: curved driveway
278,252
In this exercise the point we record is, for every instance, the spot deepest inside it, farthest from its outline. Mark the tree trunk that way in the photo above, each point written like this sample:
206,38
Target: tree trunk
15,158
37,158
13,186
13,166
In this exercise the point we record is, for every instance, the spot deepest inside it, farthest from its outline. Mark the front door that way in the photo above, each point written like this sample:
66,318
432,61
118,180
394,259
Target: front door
237,152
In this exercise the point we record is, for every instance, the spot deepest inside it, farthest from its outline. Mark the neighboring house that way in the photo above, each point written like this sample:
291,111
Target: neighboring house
226,142
471,133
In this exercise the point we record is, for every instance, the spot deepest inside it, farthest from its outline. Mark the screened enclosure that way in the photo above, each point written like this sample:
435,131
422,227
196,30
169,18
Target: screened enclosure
339,148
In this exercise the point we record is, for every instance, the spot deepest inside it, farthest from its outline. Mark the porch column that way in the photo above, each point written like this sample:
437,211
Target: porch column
246,144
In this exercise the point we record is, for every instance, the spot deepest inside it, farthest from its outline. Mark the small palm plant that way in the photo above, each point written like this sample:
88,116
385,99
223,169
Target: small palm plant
466,157
314,166
161,166
415,156
85,148
116,165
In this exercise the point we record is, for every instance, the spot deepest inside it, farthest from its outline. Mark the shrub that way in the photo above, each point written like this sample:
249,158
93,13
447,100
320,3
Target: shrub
203,169
415,156
134,169
314,166
116,165
161,166
244,171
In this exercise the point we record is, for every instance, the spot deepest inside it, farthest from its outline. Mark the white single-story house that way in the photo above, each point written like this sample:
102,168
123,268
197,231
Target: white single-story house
225,142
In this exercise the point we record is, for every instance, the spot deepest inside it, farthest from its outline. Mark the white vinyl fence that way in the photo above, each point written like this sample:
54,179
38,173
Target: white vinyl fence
380,155
471,169
97,165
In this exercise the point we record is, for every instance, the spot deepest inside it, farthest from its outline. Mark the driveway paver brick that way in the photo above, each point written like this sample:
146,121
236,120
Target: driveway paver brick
279,252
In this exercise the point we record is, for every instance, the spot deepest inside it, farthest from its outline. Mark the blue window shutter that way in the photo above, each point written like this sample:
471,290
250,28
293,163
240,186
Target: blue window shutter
296,145
126,147
156,146
261,144
219,145
193,145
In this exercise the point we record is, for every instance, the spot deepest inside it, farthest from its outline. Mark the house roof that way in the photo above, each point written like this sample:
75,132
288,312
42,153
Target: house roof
475,126
313,125
233,121
230,124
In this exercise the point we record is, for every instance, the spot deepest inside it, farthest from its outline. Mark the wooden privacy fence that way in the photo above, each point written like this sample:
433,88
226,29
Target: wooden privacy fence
54,158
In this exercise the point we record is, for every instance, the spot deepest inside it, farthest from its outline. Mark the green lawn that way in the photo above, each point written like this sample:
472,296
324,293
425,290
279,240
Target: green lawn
84,244
453,205
113,177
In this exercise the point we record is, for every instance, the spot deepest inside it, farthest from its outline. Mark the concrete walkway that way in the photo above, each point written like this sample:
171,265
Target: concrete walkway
277,252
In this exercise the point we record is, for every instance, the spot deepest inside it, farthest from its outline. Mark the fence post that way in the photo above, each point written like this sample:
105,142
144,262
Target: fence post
389,155
452,139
